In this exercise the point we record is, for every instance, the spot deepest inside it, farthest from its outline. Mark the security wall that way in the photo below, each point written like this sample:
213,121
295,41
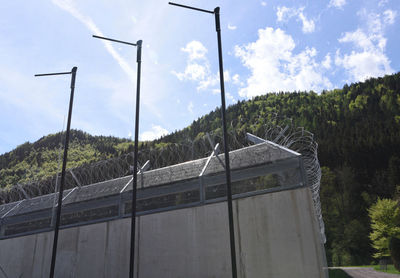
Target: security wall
276,236
182,223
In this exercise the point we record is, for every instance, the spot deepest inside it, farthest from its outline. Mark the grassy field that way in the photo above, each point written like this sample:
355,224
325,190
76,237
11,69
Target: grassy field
337,273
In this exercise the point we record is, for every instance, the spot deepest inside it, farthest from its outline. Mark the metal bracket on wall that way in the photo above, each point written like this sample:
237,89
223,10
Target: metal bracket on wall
214,148
280,134
66,196
53,213
215,153
14,207
23,191
254,139
4,215
75,178
141,171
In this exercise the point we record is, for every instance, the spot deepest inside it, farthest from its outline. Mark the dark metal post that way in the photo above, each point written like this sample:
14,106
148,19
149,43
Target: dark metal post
225,134
227,164
138,44
64,165
135,161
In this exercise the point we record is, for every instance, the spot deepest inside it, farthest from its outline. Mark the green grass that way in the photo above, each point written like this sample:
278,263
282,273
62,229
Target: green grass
337,273
390,269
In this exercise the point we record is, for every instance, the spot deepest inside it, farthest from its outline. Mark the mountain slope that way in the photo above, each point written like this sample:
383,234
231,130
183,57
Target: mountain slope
357,129
41,159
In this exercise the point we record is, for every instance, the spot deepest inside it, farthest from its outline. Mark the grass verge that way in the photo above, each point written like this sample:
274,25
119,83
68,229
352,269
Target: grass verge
390,269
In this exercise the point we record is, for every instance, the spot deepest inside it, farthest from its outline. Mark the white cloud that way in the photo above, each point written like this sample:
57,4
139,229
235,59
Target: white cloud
227,76
326,63
362,65
196,50
274,67
359,38
231,27
382,3
216,91
210,80
236,79
190,107
337,3
263,3
368,58
195,72
377,22
284,14
155,132
308,24
230,97
389,16
198,67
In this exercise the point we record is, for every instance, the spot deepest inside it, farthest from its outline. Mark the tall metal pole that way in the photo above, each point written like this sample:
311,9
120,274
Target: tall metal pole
226,147
64,165
135,162
225,134
138,45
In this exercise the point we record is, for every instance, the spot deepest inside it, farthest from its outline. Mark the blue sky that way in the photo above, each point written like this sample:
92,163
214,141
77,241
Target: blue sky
268,46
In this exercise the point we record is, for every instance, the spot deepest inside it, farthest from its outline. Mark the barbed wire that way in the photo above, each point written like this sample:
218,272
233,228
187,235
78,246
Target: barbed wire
163,155
281,131
297,139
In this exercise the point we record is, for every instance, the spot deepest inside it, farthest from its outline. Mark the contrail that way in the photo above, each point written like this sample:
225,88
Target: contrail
69,7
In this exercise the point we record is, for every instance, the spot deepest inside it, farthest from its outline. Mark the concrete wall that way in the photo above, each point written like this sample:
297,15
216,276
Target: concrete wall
276,236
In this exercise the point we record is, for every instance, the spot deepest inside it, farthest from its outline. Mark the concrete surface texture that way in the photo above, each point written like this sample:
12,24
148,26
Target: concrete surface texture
276,236
364,272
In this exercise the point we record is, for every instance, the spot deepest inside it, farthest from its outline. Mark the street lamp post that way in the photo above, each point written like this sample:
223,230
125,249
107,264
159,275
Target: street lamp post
64,165
138,45
227,165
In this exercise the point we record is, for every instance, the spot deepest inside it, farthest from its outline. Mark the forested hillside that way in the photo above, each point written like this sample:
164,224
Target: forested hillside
357,129
35,161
